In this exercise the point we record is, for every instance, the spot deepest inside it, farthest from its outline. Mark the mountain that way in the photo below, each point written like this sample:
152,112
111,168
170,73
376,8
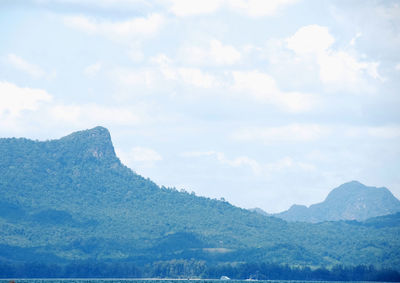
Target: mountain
350,201
71,199
260,211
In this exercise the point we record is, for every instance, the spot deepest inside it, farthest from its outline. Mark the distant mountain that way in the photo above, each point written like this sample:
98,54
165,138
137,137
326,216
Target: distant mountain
350,201
260,211
72,199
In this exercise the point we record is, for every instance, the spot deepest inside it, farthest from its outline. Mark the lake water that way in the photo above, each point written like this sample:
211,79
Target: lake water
156,281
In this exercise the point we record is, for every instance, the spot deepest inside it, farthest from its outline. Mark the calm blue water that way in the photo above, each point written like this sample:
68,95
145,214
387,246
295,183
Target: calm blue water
153,281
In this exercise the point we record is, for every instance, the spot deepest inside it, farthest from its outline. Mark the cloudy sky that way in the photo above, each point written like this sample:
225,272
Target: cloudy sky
264,103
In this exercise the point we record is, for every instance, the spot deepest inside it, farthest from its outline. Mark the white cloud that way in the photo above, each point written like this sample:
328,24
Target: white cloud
164,72
161,59
165,66
263,88
182,75
397,67
183,8
139,157
259,8
214,54
196,77
82,23
256,167
286,163
354,39
16,102
135,77
15,99
93,69
377,132
120,4
295,133
22,65
337,69
162,77
341,67
292,133
251,8
390,12
253,84
123,30
236,162
143,154
91,114
21,107
135,51
310,39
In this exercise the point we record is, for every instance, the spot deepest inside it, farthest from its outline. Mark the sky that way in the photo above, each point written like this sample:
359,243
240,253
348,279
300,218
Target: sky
263,103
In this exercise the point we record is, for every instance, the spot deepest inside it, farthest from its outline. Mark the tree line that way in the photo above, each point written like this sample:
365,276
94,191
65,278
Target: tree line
196,269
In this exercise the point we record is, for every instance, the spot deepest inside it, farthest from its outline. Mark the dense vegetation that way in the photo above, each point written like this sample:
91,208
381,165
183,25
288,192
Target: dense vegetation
71,199
195,269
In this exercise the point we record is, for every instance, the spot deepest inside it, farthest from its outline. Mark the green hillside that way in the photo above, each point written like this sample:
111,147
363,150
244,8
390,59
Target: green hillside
72,199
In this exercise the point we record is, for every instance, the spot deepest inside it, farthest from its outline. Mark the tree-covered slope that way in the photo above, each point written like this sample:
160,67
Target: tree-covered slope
72,199
350,201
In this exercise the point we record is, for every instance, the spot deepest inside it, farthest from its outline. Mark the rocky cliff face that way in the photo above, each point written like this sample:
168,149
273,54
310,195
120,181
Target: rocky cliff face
94,143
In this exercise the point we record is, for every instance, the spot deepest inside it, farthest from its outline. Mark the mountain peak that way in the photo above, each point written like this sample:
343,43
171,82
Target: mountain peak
352,190
95,142
349,201
352,183
96,133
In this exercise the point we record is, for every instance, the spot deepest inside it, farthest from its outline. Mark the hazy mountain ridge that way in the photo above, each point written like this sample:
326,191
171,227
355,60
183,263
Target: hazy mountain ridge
72,199
350,201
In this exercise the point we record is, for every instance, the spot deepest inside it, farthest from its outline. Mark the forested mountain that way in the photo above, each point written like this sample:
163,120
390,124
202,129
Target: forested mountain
71,199
350,201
